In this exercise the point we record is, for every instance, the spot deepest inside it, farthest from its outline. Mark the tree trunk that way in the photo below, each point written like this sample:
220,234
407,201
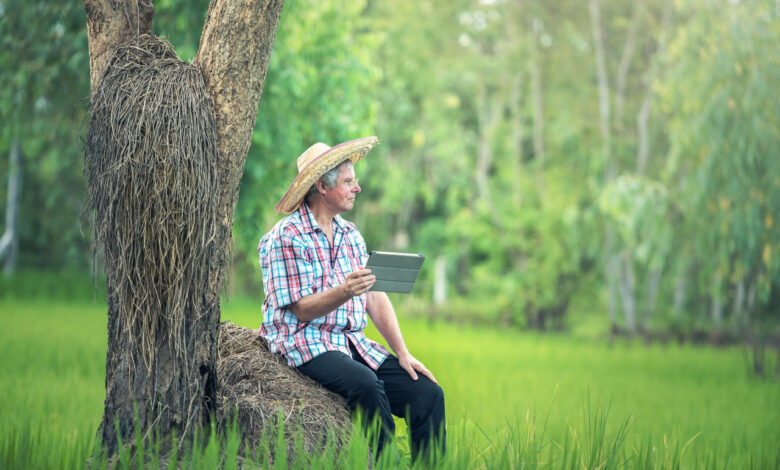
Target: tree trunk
625,63
642,127
716,312
9,243
516,99
643,146
612,273
440,281
537,104
111,23
611,256
627,290
603,86
643,116
175,394
515,109
487,117
651,294
680,288
738,310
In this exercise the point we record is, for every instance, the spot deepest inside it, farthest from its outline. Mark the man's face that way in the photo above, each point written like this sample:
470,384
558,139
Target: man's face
341,197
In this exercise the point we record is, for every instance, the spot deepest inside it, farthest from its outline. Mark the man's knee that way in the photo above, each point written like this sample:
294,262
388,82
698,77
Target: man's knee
433,395
429,405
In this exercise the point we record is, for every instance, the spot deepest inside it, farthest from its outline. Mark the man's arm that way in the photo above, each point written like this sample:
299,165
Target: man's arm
320,304
383,315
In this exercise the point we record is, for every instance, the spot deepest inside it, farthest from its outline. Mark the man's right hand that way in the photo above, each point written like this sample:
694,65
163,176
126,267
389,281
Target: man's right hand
358,282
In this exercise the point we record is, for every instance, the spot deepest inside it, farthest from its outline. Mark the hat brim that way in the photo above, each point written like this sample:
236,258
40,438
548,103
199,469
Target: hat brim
353,150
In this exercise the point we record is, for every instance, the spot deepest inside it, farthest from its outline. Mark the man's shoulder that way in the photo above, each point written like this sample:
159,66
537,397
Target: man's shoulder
289,228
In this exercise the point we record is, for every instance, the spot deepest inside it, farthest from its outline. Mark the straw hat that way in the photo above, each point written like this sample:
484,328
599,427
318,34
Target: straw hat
318,160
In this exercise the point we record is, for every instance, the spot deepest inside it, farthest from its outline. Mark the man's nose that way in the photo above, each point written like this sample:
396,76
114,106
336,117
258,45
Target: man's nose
356,189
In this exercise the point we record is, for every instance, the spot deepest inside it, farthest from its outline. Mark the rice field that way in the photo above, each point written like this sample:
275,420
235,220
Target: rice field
513,399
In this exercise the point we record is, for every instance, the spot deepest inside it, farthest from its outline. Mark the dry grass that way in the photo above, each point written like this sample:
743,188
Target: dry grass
261,386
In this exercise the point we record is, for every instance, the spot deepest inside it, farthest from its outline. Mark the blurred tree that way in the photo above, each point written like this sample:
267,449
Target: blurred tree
625,150
461,184
511,153
9,243
42,59
721,94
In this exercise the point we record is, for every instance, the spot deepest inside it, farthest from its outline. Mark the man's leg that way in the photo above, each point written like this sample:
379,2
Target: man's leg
357,383
421,401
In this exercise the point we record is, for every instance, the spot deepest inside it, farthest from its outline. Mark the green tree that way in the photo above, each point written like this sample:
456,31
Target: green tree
43,54
722,97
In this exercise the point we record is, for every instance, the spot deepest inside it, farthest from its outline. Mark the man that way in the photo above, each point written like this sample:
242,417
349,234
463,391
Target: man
317,297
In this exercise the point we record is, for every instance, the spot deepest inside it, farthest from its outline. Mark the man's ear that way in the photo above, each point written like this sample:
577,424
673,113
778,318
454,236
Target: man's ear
321,186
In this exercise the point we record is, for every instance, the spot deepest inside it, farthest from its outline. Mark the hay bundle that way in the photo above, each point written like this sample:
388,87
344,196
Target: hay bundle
151,170
260,386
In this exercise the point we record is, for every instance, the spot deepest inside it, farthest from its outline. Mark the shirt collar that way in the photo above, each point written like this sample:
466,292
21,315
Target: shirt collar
309,222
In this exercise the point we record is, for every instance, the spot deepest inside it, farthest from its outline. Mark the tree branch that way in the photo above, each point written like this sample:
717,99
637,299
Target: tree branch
233,56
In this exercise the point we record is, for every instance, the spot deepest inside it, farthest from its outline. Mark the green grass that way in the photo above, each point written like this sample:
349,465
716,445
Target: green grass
512,397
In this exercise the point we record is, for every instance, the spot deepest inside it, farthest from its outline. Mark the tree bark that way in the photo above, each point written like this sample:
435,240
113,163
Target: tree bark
111,23
174,394
233,56
9,243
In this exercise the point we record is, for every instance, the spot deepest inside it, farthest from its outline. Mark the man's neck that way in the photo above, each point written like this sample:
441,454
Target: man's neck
322,214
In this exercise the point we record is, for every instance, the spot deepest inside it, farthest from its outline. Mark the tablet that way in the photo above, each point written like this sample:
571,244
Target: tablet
395,272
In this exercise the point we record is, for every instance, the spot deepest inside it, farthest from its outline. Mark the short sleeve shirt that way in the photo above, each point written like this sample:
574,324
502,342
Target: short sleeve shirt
298,260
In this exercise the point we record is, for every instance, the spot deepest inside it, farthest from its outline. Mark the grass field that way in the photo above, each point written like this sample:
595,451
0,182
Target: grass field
501,388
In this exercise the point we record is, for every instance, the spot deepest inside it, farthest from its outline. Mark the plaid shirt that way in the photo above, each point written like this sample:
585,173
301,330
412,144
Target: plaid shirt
297,260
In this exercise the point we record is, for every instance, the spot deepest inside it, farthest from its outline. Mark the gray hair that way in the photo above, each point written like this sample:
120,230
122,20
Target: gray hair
328,179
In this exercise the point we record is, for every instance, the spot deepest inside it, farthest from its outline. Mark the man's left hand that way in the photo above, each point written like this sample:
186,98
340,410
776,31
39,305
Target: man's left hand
412,366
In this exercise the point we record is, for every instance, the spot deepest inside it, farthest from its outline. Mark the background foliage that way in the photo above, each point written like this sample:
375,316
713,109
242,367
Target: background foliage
560,164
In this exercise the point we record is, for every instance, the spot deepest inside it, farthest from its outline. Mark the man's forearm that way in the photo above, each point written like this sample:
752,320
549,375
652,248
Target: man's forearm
320,304
383,315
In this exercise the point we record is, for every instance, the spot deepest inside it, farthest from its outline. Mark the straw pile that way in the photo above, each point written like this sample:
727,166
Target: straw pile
261,386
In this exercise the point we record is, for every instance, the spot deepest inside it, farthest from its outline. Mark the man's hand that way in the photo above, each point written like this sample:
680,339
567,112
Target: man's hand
358,282
412,366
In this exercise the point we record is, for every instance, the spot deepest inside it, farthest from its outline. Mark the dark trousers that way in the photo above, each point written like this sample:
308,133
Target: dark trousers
382,393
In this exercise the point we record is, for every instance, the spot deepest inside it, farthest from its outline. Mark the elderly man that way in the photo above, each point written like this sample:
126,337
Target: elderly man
317,297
